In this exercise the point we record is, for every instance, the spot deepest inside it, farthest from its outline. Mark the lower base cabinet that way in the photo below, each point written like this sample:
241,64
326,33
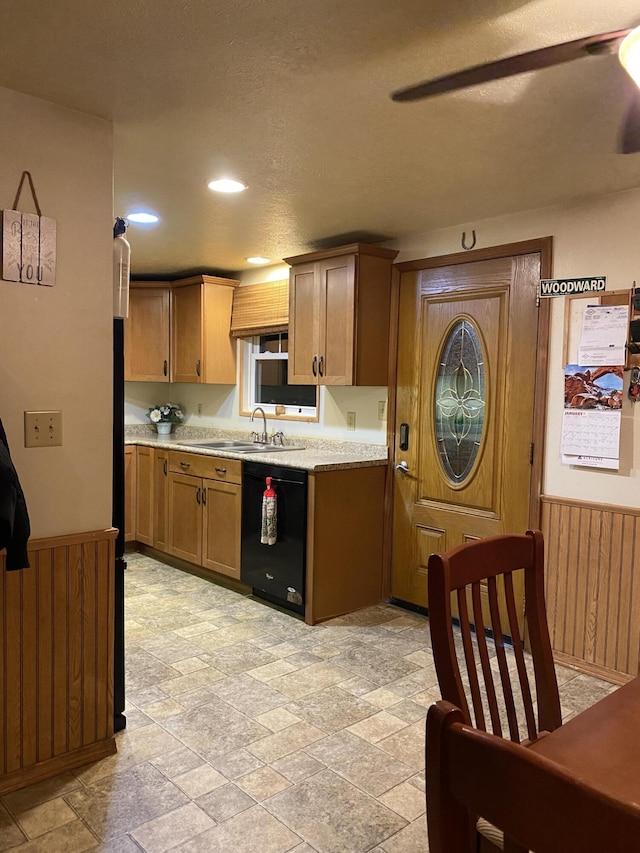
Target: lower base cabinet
161,499
204,511
195,503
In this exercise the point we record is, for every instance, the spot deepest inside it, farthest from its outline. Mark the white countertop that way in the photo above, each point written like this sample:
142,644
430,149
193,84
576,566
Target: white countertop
317,455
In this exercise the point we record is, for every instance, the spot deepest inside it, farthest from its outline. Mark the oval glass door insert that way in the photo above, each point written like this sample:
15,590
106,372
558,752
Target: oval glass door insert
460,401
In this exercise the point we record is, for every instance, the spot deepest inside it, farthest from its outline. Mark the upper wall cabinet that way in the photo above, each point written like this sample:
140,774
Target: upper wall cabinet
180,331
146,334
201,347
339,316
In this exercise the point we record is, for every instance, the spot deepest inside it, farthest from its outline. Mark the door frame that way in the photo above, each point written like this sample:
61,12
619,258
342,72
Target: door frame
543,245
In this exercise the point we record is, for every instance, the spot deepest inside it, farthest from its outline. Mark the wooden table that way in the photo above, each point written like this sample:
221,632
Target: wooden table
602,744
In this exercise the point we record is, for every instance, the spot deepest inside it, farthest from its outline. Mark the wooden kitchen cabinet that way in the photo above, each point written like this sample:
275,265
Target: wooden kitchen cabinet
130,493
160,499
345,541
146,334
339,316
204,511
201,347
144,494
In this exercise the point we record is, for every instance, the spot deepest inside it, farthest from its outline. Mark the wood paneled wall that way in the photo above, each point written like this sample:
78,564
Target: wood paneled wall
56,658
593,584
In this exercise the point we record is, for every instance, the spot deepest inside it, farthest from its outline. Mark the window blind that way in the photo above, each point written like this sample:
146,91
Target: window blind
260,309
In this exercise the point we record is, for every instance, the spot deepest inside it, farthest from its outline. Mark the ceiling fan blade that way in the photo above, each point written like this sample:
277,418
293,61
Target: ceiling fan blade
629,142
518,64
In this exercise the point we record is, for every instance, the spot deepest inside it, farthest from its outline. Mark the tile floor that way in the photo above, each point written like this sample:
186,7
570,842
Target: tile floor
249,731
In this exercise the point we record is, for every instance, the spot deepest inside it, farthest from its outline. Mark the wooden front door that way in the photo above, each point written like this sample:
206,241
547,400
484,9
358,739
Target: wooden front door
466,390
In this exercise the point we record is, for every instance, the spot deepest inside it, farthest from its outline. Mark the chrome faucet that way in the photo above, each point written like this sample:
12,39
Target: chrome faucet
265,437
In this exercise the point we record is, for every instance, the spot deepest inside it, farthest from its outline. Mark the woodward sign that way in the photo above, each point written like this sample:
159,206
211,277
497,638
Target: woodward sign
571,286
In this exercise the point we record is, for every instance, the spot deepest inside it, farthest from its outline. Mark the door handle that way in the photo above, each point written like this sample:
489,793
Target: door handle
198,495
320,364
221,470
198,367
314,363
185,464
164,367
164,467
402,466
204,496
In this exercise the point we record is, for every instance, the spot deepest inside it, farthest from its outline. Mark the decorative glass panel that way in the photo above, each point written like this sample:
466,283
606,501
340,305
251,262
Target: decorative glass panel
460,401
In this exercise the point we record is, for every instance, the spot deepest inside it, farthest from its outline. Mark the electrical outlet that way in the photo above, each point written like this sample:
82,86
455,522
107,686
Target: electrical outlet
43,429
351,420
382,410
199,408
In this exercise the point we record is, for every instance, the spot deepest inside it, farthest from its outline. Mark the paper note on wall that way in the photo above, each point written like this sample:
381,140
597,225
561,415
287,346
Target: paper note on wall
604,335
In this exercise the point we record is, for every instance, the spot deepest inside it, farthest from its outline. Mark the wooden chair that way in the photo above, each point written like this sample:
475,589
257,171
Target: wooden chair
507,692
538,804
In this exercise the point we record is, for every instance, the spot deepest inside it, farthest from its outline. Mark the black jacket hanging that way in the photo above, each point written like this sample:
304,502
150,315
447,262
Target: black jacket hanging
14,518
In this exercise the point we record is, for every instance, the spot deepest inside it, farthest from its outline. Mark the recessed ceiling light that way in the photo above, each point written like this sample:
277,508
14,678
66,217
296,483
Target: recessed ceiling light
257,260
142,217
227,185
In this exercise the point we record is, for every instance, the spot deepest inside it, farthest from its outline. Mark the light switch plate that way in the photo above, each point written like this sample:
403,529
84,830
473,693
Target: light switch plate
382,410
43,429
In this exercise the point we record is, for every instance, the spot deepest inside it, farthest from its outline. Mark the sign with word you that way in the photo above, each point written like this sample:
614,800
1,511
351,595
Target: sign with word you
28,248
572,286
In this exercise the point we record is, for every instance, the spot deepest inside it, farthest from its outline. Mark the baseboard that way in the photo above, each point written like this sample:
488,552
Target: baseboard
592,668
53,766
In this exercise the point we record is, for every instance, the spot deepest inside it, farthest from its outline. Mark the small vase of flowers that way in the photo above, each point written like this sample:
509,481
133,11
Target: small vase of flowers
165,416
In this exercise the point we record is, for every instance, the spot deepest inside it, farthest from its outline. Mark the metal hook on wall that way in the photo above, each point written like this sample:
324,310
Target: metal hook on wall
464,237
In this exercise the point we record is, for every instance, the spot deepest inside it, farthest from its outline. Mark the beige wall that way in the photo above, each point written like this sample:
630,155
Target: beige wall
56,343
594,237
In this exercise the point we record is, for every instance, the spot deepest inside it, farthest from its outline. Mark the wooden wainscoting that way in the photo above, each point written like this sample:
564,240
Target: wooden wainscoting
593,585
56,658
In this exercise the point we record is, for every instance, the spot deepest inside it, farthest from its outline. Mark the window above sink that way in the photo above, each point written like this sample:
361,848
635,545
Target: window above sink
265,380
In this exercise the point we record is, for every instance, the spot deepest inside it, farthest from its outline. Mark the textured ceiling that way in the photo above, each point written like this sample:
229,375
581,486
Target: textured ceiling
292,96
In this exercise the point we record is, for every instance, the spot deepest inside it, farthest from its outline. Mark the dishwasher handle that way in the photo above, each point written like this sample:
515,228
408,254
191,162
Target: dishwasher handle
274,480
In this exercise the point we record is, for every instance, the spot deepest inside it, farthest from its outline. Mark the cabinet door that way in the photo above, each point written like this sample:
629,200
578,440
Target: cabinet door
129,493
144,495
337,313
146,335
187,334
160,500
185,517
219,347
303,325
221,534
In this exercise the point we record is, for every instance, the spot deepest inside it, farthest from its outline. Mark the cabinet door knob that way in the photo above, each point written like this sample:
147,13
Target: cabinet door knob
165,367
314,363
198,367
320,363
185,464
221,470
198,495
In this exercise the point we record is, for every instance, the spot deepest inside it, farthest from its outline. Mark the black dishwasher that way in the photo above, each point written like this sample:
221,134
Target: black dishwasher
276,572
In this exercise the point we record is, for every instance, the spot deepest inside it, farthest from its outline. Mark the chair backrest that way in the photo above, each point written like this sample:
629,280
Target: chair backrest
498,683
538,804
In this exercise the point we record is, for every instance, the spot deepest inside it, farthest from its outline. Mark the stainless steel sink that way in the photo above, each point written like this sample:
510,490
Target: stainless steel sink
244,446
222,445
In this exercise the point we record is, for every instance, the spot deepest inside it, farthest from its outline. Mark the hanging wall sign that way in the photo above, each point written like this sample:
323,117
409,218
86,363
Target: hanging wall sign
572,286
28,243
